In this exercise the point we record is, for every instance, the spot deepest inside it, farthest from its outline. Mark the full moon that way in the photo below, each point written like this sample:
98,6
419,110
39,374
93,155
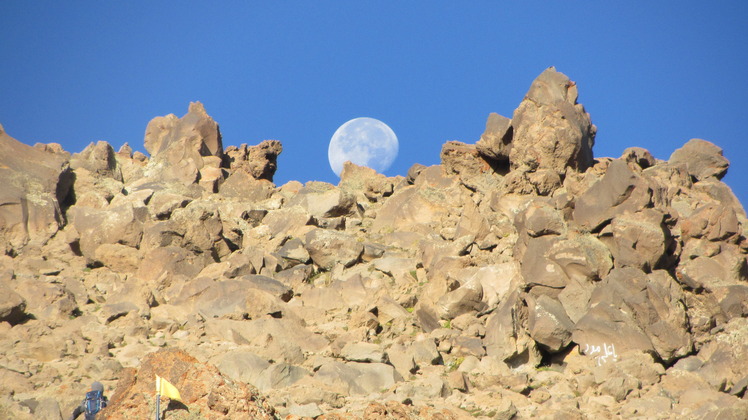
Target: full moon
365,142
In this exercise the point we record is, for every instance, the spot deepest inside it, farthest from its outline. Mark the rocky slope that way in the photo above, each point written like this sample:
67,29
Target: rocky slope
520,278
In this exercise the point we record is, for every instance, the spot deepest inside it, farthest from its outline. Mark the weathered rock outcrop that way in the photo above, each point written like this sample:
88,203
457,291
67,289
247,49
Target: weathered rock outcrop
181,147
701,158
204,391
551,130
35,186
519,278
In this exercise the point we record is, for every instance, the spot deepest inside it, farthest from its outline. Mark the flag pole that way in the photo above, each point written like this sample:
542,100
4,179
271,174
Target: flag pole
158,398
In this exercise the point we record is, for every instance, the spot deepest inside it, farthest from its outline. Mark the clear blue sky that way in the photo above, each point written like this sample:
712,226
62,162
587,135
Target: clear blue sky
652,74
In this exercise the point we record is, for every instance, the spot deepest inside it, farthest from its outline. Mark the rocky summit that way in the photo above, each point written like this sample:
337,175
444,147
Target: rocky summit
522,277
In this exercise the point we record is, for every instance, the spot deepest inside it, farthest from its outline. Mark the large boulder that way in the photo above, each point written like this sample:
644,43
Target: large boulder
278,339
631,310
707,272
244,186
463,159
179,146
121,224
350,378
329,248
421,207
506,337
99,160
201,228
287,221
35,184
366,182
619,191
540,273
712,222
639,240
496,141
723,355
548,323
12,305
203,388
321,200
241,365
551,130
701,158
246,297
466,298
98,175
169,266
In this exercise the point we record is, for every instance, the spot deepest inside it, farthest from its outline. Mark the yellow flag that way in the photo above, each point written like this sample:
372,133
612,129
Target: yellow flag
166,389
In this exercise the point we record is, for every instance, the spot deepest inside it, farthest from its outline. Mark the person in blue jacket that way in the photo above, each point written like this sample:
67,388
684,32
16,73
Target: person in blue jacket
92,404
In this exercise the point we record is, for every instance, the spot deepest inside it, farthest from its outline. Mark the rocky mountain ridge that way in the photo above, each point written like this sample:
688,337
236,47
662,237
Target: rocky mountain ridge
522,277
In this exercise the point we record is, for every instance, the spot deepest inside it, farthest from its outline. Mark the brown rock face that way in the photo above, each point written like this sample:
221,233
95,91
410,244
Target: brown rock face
702,159
463,159
259,161
35,183
551,130
619,191
496,141
204,390
178,146
196,129
98,159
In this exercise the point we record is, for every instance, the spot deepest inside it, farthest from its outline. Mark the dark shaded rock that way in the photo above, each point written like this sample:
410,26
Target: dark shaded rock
538,219
582,257
12,306
536,267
